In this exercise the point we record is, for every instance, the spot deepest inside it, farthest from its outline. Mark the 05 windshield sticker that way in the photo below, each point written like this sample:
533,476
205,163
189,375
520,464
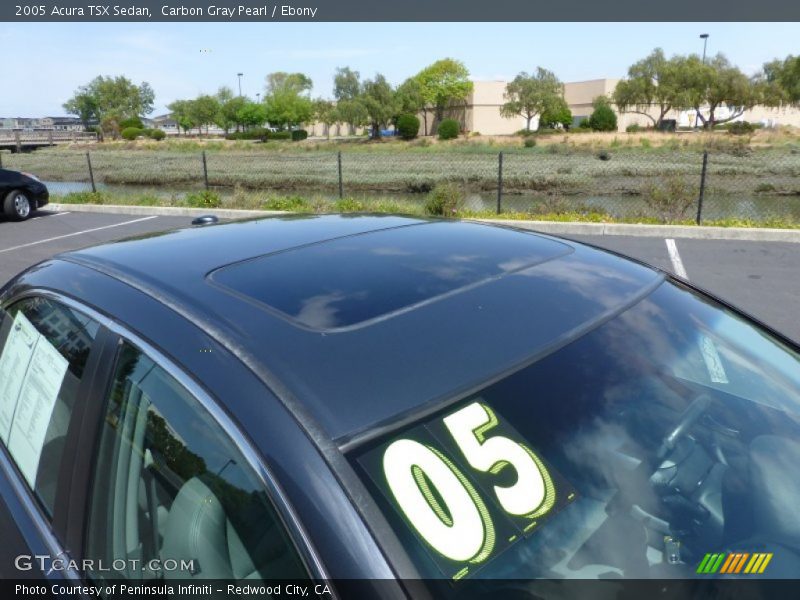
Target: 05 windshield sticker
468,486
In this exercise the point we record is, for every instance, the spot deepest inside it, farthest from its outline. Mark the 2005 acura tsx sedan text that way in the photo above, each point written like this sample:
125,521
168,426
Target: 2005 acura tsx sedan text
387,398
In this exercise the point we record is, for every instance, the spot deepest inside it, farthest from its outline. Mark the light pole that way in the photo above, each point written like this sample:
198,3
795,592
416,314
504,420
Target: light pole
239,75
704,37
258,96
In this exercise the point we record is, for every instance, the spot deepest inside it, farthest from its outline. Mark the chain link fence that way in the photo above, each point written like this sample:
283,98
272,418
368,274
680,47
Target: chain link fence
655,184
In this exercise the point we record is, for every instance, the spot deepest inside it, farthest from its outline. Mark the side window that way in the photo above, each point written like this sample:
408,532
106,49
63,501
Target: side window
44,348
173,497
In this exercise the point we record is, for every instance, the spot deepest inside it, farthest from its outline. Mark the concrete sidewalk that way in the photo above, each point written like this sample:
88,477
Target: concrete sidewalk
554,227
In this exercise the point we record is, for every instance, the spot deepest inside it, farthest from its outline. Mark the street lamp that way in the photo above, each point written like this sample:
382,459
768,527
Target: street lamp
239,75
258,96
704,37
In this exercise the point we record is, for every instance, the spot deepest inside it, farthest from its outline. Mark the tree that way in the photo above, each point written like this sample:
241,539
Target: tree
379,102
287,102
325,113
531,95
346,84
409,97
444,83
251,114
555,115
84,105
651,82
603,117
229,107
712,85
285,108
346,90
204,110
111,97
288,82
181,112
780,82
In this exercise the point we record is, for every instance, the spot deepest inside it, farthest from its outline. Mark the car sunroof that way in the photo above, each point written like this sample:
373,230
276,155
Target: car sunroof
352,280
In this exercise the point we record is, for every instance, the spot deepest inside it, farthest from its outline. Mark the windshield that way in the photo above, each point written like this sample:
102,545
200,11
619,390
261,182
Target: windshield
664,443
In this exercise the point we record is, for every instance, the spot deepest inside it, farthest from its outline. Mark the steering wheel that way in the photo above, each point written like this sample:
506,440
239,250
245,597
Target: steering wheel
689,417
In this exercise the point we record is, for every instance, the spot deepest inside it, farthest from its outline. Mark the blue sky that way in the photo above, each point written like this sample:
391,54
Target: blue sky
182,60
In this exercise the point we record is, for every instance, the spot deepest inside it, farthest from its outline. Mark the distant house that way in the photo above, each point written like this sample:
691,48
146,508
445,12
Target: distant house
170,126
68,124
26,123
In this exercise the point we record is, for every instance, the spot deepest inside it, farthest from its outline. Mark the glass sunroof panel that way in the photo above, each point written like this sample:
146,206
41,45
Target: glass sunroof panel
352,280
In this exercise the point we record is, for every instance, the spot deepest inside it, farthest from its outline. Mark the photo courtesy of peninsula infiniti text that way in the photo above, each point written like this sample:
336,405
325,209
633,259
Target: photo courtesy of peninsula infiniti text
389,399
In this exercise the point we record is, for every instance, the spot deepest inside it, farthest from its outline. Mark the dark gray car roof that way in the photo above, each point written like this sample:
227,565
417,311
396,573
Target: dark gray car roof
364,319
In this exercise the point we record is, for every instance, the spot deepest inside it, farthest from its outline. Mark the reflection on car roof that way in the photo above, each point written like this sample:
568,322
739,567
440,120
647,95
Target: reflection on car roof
365,318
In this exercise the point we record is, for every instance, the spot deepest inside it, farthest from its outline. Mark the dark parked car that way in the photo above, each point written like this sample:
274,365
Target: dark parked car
369,398
21,194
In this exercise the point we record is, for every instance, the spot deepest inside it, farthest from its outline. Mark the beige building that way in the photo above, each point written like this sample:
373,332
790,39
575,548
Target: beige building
481,112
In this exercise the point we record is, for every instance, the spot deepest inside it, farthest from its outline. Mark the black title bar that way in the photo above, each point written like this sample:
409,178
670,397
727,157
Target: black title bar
398,10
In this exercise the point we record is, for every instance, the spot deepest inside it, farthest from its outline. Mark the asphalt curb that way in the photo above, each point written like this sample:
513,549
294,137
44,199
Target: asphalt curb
554,227
166,211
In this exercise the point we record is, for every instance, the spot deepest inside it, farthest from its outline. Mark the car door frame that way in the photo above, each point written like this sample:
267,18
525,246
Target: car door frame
83,436
43,535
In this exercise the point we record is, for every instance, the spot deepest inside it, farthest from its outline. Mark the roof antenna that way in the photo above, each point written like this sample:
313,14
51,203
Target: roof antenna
205,220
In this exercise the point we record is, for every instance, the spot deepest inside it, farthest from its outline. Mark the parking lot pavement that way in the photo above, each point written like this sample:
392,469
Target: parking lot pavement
29,242
761,278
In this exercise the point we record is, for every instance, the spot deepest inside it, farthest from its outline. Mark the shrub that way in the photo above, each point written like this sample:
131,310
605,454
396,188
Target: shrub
448,129
740,128
131,122
525,132
604,155
131,133
204,199
634,128
584,124
444,199
408,126
299,135
670,197
155,134
257,133
547,131
349,205
603,117
555,117
529,142
290,203
279,135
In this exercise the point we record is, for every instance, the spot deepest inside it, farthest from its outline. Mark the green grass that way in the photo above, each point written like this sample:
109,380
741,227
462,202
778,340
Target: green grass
321,205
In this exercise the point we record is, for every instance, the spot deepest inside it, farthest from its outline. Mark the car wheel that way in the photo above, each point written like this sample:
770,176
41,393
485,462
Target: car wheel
17,206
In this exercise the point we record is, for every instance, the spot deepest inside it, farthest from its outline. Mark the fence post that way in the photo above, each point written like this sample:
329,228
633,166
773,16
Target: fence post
18,142
205,169
91,172
339,164
1,159
499,183
702,187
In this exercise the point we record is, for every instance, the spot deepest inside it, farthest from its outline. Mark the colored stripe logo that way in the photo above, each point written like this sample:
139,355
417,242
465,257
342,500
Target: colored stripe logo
734,563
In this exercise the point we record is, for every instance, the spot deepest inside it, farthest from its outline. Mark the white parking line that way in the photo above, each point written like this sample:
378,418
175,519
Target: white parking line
61,237
677,263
